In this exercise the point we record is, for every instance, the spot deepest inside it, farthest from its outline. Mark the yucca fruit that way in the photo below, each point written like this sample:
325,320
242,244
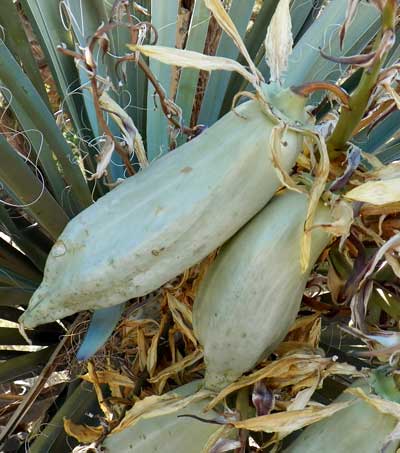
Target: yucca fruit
167,218
251,293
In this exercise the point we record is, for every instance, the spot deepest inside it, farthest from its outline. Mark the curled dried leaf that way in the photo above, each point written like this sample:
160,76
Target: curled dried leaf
384,406
125,123
300,401
103,158
392,93
369,59
110,377
317,189
306,330
291,420
353,161
182,317
218,440
152,353
376,192
388,171
161,378
342,220
96,384
190,59
276,140
155,406
226,23
142,349
83,433
141,9
286,371
263,399
350,13
279,41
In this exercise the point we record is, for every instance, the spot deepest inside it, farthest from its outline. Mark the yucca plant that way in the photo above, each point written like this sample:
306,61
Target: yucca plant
110,117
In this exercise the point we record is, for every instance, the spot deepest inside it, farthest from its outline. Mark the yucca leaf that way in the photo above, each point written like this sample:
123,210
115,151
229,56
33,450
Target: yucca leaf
372,141
41,151
6,354
12,279
10,313
394,52
85,18
240,12
33,251
51,28
303,14
253,42
17,41
390,152
26,365
101,326
18,177
10,336
14,296
133,93
53,438
188,80
22,89
47,24
306,62
12,259
137,88
379,138
164,18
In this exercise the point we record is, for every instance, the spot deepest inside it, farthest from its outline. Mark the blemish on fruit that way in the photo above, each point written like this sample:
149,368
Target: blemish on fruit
58,249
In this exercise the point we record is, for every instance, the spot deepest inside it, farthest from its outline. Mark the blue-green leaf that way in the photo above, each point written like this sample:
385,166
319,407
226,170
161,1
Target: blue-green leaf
164,18
101,327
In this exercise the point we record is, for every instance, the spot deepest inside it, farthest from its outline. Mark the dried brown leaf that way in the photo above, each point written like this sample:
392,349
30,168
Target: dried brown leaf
384,406
350,13
103,158
388,171
292,420
110,377
142,349
279,41
129,131
318,187
389,245
155,406
152,353
226,23
285,371
306,329
190,59
217,438
83,433
376,192
177,367
96,384
181,313
342,219
369,59
276,152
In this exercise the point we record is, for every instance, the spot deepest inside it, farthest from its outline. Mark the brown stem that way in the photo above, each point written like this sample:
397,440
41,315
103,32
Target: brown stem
311,87
163,98
106,129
